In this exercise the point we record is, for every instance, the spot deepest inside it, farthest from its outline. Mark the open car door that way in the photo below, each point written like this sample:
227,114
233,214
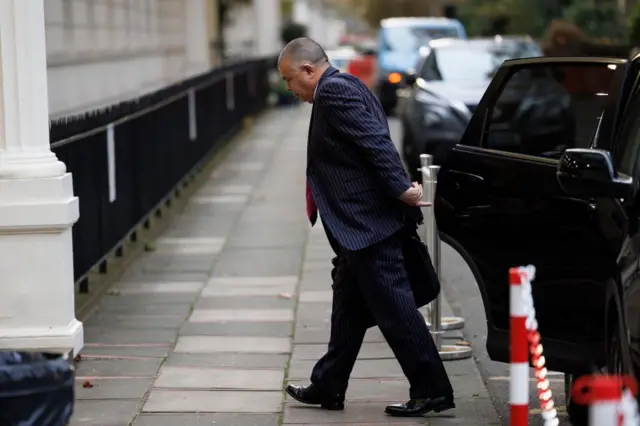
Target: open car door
499,203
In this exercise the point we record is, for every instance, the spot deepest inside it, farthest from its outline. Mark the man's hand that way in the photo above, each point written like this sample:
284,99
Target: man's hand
413,196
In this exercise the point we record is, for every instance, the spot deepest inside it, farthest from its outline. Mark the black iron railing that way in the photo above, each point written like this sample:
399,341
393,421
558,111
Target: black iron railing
127,158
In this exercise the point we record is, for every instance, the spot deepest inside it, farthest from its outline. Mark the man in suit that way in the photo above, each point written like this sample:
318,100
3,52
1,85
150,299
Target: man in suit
356,181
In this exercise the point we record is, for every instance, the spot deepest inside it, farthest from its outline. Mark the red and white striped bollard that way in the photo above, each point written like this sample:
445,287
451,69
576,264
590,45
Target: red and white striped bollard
604,395
519,383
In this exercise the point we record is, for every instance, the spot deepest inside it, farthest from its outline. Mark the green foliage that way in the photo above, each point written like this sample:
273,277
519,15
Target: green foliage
286,9
490,17
598,21
634,25
291,31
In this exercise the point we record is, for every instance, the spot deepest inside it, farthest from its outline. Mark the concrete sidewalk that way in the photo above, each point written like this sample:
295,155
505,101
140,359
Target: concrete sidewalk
235,301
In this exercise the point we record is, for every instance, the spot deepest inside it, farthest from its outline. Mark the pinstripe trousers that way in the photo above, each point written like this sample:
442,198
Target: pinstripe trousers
373,283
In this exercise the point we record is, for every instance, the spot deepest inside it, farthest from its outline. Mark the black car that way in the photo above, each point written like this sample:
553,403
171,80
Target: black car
557,188
451,77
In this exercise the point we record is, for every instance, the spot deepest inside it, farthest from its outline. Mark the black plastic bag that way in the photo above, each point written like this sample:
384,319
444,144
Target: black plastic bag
35,390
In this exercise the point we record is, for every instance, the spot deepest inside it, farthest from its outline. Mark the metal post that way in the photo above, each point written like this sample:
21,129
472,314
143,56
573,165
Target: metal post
432,239
437,324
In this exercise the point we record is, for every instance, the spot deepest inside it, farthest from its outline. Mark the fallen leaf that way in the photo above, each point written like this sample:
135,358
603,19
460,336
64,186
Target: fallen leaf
87,384
78,358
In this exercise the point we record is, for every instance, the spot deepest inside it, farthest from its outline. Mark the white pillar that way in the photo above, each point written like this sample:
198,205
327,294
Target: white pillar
37,205
268,24
301,12
197,36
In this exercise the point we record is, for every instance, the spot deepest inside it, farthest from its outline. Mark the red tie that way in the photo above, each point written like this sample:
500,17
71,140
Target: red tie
312,209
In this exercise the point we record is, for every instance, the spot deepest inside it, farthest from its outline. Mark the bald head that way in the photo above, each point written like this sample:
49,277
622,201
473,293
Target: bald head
303,50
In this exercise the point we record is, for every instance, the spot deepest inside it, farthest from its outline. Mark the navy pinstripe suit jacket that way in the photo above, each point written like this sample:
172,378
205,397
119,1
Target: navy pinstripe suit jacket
353,169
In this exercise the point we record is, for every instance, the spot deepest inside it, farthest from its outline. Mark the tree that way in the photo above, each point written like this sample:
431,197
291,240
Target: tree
597,20
373,11
292,30
490,17
634,25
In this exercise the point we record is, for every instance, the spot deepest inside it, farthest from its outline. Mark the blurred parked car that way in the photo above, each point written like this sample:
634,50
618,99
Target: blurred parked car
565,199
451,77
399,42
339,58
363,66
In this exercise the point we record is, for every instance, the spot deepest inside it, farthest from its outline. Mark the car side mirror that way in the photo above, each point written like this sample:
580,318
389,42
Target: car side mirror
410,78
590,173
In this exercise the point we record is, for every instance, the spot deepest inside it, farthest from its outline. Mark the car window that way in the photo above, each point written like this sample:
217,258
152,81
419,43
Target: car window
475,62
544,109
629,161
410,38
429,70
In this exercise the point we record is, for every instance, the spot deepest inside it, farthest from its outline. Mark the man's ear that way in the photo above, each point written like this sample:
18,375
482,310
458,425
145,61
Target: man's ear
308,68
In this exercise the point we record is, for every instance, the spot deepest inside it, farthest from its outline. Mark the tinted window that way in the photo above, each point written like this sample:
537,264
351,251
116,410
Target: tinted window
544,109
410,38
629,158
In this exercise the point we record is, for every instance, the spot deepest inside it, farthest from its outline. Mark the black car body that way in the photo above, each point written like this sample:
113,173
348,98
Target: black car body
557,188
451,77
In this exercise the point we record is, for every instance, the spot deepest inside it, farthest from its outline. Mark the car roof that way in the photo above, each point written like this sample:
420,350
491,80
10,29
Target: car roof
436,21
342,53
480,41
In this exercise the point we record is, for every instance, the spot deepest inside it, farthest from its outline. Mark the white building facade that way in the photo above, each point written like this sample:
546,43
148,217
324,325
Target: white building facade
102,51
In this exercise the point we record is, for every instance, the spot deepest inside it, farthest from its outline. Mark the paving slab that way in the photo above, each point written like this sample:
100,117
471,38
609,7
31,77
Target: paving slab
123,367
176,287
119,351
259,261
163,401
219,378
241,315
220,293
108,335
229,360
274,301
135,321
113,388
246,329
114,412
196,419
135,275
238,344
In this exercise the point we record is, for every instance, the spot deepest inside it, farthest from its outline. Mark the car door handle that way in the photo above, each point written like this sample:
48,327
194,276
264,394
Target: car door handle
469,177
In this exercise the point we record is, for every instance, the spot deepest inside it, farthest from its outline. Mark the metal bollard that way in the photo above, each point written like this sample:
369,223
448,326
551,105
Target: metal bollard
429,183
437,324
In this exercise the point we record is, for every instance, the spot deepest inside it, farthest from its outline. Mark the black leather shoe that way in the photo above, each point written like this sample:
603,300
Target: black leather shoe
419,407
312,395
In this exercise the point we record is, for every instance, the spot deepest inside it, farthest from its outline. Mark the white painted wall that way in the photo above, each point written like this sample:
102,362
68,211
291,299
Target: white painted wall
253,29
103,51
324,25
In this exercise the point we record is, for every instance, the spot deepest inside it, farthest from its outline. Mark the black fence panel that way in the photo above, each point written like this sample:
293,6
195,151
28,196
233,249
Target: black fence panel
127,158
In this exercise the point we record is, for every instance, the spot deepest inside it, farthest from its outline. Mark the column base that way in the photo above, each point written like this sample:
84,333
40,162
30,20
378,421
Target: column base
37,308
55,340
